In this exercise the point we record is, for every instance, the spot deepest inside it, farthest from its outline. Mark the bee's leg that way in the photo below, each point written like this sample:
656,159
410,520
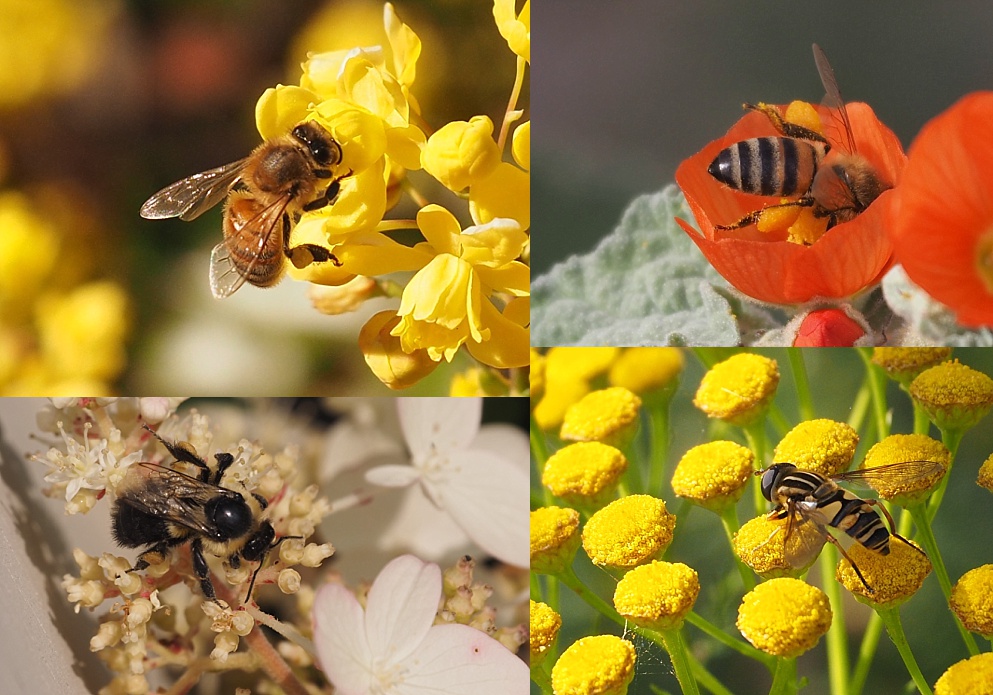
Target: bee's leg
224,461
184,451
329,197
791,130
159,549
834,541
889,517
754,217
201,569
303,255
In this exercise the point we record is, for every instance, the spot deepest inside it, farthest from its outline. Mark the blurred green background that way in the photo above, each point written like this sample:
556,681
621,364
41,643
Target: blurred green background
962,527
633,88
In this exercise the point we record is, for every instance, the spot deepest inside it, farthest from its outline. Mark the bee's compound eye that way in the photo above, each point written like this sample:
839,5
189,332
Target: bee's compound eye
231,517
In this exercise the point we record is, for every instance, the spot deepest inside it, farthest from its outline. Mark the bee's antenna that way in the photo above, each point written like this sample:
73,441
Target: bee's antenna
248,596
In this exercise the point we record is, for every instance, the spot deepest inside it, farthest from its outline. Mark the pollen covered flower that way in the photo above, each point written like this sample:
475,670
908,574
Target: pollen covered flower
596,665
738,389
969,676
647,370
904,363
985,477
784,617
942,221
609,415
972,600
713,474
901,448
894,578
544,629
584,473
629,532
768,265
554,539
657,595
955,396
823,446
568,371
761,544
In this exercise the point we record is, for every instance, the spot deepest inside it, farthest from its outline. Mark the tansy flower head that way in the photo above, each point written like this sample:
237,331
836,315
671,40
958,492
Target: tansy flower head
738,389
597,665
985,477
657,595
568,372
927,461
628,532
647,370
903,364
972,600
545,624
609,415
584,473
955,396
894,577
761,544
822,446
554,539
713,474
972,676
784,617
942,221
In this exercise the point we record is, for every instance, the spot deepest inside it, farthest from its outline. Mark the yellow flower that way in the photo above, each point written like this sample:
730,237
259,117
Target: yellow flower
985,477
476,381
545,624
461,152
822,446
516,29
894,577
784,617
609,415
738,389
761,544
597,665
506,192
585,474
657,595
955,396
904,364
628,532
341,299
554,539
521,145
386,358
713,474
972,600
29,249
972,676
447,302
647,370
899,448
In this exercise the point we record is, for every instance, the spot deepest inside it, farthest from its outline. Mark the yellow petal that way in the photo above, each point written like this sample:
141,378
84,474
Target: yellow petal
405,44
404,145
376,254
385,356
461,152
504,193
509,342
361,134
522,145
440,229
515,29
280,108
496,243
438,292
513,278
360,206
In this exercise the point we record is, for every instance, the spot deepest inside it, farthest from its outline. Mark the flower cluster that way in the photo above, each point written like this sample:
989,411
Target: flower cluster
466,284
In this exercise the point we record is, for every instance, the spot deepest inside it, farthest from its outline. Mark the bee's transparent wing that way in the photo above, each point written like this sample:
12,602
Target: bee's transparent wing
225,277
804,540
191,197
902,473
832,98
174,496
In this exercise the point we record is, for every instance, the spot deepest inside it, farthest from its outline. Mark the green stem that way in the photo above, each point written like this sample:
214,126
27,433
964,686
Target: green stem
705,678
894,628
784,678
674,644
867,652
951,439
729,519
877,385
727,640
922,423
837,638
659,438
539,454
799,368
755,434
541,678
860,406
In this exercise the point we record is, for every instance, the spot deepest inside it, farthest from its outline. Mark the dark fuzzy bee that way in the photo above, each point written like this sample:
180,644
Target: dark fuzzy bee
162,508
804,497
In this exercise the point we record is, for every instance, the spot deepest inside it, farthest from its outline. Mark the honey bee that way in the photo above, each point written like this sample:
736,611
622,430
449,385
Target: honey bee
160,507
797,163
810,501
266,193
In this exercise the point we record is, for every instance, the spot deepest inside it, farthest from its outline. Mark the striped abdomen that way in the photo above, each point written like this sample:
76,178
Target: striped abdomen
772,166
854,516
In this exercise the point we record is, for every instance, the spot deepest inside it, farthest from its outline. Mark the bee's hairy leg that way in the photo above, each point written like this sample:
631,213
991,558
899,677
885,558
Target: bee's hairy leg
224,461
184,451
791,130
201,569
159,549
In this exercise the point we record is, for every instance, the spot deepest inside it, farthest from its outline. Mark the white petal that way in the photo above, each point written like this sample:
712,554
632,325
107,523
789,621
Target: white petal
403,602
393,475
420,527
458,659
508,441
339,637
439,424
488,498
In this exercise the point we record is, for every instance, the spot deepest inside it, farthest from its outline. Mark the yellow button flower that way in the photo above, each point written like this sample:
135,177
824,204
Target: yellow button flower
972,676
822,446
955,396
554,539
628,532
761,544
713,474
972,600
647,370
657,595
585,474
386,358
516,29
784,617
894,578
985,477
461,152
545,624
609,415
597,665
903,364
738,389
900,448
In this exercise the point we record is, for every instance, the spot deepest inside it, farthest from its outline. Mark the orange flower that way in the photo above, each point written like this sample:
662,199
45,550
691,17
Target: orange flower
847,258
942,226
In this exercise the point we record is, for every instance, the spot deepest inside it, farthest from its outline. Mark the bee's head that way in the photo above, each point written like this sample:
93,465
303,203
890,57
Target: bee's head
771,477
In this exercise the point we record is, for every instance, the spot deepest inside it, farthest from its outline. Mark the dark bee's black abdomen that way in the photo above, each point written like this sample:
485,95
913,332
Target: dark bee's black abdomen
133,528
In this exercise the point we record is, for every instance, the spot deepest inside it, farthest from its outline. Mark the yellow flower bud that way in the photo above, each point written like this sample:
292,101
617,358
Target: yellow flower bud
609,415
461,152
822,446
545,624
585,474
647,370
597,665
657,595
628,532
713,474
972,676
579,363
953,395
521,145
899,448
559,397
903,364
387,360
738,389
341,299
554,539
985,477
761,544
894,578
972,600
784,617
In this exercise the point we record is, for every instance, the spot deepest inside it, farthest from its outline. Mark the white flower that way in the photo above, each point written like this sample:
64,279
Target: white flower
89,464
392,647
485,492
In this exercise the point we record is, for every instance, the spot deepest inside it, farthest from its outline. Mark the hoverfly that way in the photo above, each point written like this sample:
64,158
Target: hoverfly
804,497
796,163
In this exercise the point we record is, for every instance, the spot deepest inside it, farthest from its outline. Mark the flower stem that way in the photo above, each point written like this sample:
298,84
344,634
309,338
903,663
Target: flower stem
659,431
867,652
951,439
877,384
802,383
539,453
706,678
512,114
894,628
784,678
755,434
837,638
541,678
727,640
674,644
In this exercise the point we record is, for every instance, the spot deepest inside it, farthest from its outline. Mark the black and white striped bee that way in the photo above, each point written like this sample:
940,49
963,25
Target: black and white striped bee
807,498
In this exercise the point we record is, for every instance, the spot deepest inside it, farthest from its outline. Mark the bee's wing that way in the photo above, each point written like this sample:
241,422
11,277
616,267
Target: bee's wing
903,473
832,98
194,195
225,277
174,496
804,540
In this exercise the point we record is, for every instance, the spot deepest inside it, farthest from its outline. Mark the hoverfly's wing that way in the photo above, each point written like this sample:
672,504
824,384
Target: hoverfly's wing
225,276
832,98
191,197
894,474
174,496
803,539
